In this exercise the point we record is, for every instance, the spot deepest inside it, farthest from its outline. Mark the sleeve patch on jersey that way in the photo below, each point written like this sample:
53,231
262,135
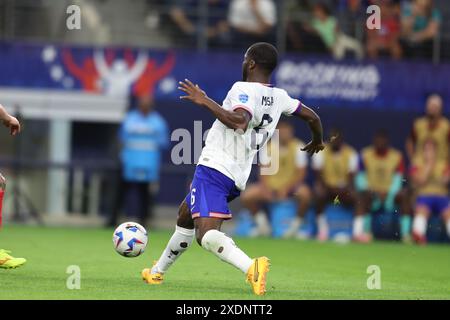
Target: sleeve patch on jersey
243,98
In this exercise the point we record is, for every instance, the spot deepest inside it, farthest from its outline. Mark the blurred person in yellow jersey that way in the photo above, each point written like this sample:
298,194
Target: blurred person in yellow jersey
335,168
6,260
433,125
430,176
288,182
380,185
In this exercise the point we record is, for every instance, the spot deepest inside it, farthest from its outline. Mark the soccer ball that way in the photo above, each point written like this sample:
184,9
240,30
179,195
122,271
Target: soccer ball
130,239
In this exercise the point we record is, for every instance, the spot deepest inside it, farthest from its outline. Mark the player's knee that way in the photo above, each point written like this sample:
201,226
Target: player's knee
364,199
199,236
422,210
319,192
203,225
246,198
200,233
446,214
214,241
303,193
249,196
402,196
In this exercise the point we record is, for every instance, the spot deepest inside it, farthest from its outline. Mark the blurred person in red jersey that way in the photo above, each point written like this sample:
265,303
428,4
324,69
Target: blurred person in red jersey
387,38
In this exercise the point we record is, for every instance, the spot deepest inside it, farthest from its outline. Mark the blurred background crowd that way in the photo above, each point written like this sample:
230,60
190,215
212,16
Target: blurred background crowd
99,136
409,28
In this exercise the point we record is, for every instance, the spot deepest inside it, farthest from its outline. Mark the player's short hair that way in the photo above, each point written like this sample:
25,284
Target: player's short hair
265,55
436,96
335,131
382,133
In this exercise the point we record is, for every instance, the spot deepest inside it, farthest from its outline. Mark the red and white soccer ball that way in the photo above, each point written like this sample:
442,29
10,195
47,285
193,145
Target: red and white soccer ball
130,239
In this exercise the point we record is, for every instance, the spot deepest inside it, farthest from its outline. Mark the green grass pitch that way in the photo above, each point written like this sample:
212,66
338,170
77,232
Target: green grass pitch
300,270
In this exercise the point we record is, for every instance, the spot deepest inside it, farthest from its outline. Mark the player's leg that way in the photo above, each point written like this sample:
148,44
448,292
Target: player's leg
179,242
210,237
362,215
446,217
6,260
402,200
253,198
338,196
302,195
421,213
322,198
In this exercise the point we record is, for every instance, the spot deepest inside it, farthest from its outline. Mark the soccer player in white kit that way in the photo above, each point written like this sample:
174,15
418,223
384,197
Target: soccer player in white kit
245,121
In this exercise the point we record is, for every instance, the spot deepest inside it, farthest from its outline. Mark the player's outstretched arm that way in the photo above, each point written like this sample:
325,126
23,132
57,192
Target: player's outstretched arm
9,121
315,125
237,119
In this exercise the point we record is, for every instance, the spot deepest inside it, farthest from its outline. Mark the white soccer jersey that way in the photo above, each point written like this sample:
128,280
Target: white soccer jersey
231,152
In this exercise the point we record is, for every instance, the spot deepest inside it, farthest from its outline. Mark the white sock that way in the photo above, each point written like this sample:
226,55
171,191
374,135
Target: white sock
293,227
447,226
322,224
358,225
178,243
224,247
420,225
296,222
262,223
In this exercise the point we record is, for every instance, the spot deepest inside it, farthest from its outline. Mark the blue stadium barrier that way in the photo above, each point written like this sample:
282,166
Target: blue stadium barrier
385,225
436,230
281,213
340,221
244,224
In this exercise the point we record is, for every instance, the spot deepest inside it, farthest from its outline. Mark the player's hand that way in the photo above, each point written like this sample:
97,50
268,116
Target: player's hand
313,147
193,92
13,124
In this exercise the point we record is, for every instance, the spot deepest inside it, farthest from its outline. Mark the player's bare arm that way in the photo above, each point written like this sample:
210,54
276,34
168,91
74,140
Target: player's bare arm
315,125
9,121
237,119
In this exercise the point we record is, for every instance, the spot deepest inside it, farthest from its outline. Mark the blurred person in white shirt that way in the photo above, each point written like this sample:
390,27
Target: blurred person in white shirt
252,20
